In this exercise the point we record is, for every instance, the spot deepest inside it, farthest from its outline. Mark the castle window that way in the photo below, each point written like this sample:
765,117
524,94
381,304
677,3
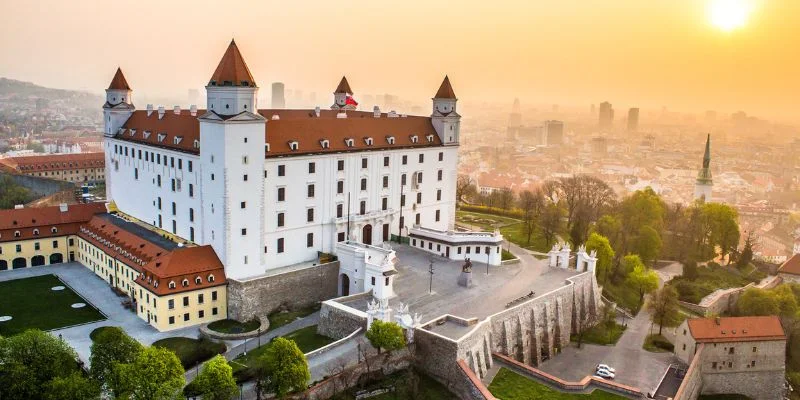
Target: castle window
368,141
414,138
211,279
177,139
430,138
185,283
198,281
325,143
35,232
147,134
390,139
294,145
55,230
172,284
441,156
162,136
196,146
349,142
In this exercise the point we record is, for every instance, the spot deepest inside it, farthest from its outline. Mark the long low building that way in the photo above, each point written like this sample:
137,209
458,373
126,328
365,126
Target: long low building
75,168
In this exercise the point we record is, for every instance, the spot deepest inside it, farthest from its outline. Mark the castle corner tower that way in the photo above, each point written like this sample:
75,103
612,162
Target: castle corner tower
446,121
704,183
343,97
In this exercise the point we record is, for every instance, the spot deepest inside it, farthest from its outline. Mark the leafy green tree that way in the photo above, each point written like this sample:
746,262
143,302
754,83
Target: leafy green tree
30,360
156,374
386,335
757,302
663,306
75,386
746,257
112,346
605,254
216,381
648,244
640,277
690,269
286,367
610,227
12,194
641,208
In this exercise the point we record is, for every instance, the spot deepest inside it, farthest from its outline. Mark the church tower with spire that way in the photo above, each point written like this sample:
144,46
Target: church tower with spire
704,183
446,121
232,149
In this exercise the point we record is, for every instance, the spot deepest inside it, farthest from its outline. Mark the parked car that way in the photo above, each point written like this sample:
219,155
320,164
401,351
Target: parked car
606,367
604,373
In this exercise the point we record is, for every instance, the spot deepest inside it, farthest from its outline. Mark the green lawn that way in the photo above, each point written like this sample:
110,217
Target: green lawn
95,333
233,326
487,222
656,343
516,234
512,229
279,319
32,305
624,295
598,334
509,385
191,351
507,255
306,338
709,279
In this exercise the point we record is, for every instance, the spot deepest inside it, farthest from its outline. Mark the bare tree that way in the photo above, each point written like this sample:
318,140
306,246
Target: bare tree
363,355
531,203
551,223
506,198
465,187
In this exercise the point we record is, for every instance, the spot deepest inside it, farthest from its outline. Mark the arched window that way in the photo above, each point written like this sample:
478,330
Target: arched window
198,280
185,283
54,230
16,233
172,284
35,232
211,278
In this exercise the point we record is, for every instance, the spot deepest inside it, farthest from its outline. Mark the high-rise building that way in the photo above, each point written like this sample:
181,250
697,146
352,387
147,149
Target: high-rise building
606,117
633,119
514,120
553,132
278,98
704,183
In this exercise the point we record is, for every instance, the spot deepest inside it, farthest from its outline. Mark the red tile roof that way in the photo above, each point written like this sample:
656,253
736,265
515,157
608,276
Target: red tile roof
131,249
445,90
119,82
791,266
736,329
232,70
54,162
190,268
302,126
343,87
43,219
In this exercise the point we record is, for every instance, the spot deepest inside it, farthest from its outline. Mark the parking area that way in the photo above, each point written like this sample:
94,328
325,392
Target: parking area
97,292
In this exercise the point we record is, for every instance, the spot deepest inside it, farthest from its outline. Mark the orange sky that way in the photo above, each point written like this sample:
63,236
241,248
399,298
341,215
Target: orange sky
630,52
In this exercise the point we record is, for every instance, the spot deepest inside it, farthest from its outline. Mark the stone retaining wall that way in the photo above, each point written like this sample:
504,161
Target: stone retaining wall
337,320
260,296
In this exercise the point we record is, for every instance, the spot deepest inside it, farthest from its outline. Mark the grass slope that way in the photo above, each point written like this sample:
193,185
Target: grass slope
32,305
509,385
306,338
191,351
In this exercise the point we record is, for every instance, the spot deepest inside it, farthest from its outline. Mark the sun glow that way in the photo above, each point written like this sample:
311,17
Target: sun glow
729,14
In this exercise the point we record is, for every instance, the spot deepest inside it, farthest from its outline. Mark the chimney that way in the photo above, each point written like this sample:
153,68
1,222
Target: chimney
19,206
63,207
316,111
392,114
341,114
376,112
716,320
160,112
149,109
275,117
193,110
176,110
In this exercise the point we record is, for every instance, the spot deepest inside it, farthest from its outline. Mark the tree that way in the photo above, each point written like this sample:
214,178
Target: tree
155,374
506,198
746,257
690,269
551,223
610,227
757,302
531,204
112,346
215,381
640,277
12,194
286,367
30,361
75,386
663,306
465,187
605,254
647,244
386,335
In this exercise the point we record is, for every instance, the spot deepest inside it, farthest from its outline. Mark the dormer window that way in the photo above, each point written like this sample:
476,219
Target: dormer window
121,131
132,132
185,283
430,138
368,141
177,140
54,230
196,144
349,142
325,143
198,280
210,278
266,148
35,232
294,145
414,139
146,134
172,284
390,139
162,136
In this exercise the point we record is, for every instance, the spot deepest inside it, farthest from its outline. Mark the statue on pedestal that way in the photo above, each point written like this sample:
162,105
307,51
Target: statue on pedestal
465,279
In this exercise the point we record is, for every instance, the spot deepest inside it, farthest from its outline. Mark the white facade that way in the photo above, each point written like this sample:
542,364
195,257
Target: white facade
366,268
477,246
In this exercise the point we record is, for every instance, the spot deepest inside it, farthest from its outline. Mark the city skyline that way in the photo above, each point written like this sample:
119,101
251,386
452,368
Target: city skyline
666,53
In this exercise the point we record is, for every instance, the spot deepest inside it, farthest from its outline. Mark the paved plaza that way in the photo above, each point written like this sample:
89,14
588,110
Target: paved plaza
490,293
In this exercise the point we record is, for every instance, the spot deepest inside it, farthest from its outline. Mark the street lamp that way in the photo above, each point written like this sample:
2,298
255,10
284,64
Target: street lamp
487,260
245,347
430,285
259,336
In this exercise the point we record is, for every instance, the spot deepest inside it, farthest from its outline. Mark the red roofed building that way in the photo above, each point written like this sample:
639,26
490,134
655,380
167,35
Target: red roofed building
77,168
732,355
790,269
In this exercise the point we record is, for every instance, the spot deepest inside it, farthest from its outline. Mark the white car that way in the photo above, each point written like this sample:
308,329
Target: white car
604,373
606,367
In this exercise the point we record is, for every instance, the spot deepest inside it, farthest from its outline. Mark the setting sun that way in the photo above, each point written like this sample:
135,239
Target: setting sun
729,14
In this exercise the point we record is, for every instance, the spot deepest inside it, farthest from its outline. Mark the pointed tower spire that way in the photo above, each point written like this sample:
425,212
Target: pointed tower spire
119,82
707,156
704,182
445,90
232,70
343,87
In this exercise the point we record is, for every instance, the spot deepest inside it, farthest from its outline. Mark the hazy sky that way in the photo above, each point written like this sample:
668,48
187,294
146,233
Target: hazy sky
630,52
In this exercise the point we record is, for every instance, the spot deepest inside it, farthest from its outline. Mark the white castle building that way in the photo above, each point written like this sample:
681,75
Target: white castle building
269,189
